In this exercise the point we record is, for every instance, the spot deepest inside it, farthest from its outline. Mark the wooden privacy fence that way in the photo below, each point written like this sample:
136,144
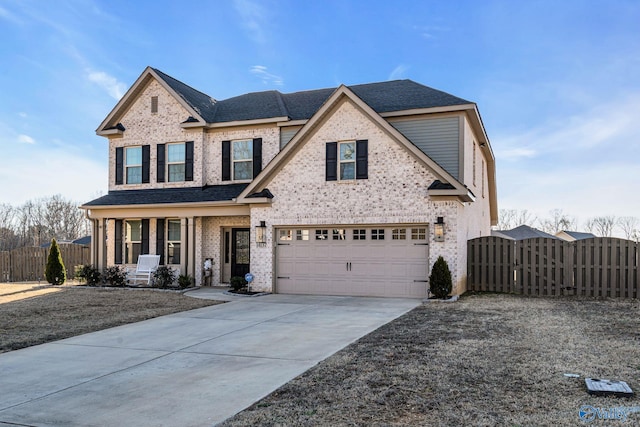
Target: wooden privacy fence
596,267
28,263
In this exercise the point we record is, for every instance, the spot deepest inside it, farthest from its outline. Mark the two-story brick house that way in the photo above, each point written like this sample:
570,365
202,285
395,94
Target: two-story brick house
354,190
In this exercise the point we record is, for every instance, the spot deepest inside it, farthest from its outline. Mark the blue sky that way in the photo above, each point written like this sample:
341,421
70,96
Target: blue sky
557,82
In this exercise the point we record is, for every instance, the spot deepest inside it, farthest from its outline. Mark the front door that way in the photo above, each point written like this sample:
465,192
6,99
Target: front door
240,251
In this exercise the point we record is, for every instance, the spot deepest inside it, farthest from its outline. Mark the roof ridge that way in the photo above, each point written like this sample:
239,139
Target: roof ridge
167,76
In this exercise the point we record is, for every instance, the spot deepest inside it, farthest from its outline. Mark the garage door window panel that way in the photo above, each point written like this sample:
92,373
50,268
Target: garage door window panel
302,235
359,234
399,234
322,234
377,234
418,234
339,234
286,235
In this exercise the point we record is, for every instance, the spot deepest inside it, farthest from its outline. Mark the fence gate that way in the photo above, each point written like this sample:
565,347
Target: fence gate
598,267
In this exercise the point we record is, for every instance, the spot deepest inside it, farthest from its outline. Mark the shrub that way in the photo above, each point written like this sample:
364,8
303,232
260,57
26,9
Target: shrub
185,281
115,276
55,273
164,277
89,274
237,283
440,279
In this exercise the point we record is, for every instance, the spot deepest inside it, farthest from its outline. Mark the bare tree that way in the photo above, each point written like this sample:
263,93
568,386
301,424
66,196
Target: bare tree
601,225
8,238
628,225
511,218
559,221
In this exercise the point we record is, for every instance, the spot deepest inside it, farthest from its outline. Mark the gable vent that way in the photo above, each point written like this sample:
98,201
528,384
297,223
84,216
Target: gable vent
154,104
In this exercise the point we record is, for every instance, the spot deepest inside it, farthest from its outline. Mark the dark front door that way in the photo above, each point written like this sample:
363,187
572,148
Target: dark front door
239,251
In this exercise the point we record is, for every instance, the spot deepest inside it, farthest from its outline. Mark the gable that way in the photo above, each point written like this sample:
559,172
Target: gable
351,130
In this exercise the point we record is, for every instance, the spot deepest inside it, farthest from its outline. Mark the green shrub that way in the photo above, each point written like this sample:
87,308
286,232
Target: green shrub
237,283
185,281
89,274
164,277
440,279
115,276
55,273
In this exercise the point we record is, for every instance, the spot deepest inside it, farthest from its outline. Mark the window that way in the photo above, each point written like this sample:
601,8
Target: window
418,234
377,234
242,159
132,240
347,160
154,104
173,241
302,234
339,234
399,234
286,235
176,162
133,165
360,234
322,234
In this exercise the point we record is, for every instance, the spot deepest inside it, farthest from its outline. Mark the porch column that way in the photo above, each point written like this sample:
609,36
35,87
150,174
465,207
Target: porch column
94,242
100,244
191,252
184,245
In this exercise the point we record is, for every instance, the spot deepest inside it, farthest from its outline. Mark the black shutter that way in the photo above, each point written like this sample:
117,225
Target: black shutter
161,162
144,241
332,161
160,239
146,160
188,161
117,241
226,160
362,159
257,156
119,165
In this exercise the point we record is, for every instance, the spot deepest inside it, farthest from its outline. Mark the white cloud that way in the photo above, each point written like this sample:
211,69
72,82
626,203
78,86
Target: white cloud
253,17
515,154
267,78
109,83
399,72
26,139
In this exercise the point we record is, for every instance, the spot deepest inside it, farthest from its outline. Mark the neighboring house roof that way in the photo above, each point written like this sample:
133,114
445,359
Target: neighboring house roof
86,240
523,232
574,235
212,193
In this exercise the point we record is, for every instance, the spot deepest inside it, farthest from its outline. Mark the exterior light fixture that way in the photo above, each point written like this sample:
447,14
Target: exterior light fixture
438,229
261,234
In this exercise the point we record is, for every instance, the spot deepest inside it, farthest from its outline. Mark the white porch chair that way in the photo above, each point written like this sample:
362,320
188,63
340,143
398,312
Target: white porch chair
147,265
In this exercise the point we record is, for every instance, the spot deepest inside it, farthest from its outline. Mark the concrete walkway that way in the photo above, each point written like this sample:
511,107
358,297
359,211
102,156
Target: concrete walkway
194,368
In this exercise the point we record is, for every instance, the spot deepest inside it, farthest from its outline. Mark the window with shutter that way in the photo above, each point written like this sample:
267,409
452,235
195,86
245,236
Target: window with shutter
347,160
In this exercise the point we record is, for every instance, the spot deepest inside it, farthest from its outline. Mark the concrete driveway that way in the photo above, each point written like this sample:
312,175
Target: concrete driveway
194,368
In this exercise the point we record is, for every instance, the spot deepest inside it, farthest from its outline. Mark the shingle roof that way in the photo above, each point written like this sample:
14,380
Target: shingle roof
213,193
579,235
383,97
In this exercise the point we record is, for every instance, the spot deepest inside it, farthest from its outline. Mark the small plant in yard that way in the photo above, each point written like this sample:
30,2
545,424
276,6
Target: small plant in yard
164,277
55,272
237,283
115,276
89,274
185,281
440,279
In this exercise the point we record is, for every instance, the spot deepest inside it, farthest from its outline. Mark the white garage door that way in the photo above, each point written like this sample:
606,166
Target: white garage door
386,261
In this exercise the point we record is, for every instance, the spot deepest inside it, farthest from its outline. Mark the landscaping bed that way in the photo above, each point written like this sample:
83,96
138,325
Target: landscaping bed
485,360
33,314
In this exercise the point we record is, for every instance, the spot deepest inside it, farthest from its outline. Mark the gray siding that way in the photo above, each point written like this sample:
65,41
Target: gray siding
286,134
437,138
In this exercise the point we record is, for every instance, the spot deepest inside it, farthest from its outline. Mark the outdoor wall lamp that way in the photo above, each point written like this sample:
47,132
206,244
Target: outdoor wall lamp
261,234
438,229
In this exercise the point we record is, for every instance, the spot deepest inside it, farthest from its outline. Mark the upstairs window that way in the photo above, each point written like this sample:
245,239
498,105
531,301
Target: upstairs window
133,165
175,162
241,159
347,161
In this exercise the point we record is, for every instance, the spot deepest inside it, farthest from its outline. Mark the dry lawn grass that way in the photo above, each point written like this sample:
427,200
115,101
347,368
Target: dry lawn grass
486,360
30,314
